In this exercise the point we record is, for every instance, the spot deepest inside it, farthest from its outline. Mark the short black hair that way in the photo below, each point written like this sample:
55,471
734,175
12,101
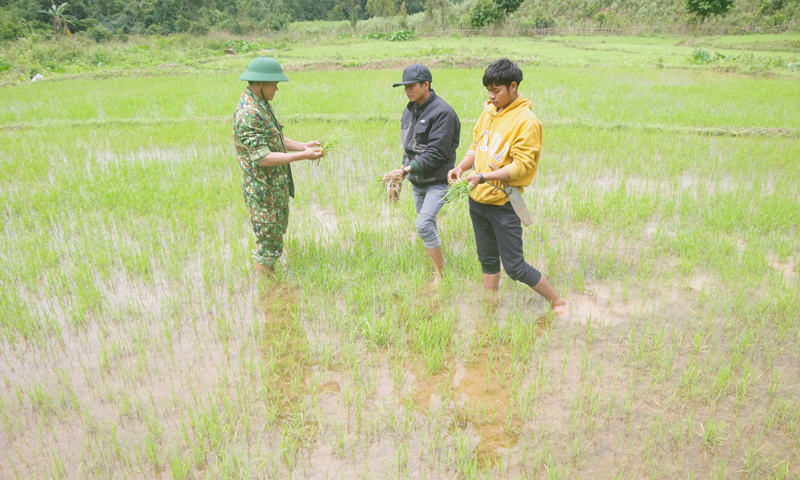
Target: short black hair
502,72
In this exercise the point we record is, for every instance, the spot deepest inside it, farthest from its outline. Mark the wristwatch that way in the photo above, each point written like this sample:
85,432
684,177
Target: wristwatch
481,179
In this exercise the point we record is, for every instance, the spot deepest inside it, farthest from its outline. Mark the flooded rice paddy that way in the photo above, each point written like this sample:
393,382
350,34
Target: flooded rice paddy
137,341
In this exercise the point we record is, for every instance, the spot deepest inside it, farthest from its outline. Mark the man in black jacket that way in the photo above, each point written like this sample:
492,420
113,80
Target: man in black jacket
430,132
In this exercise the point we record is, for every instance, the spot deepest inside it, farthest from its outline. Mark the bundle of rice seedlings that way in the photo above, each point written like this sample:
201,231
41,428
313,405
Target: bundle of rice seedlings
392,184
457,192
335,140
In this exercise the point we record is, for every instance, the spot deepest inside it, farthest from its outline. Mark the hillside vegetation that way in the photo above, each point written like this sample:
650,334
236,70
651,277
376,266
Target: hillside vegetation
101,20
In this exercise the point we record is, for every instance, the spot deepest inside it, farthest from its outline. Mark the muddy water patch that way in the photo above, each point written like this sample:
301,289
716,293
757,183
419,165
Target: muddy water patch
483,395
475,393
317,221
603,304
285,347
157,154
785,267
149,352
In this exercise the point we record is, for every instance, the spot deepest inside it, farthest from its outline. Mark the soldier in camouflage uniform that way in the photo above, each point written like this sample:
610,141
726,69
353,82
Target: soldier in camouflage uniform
262,151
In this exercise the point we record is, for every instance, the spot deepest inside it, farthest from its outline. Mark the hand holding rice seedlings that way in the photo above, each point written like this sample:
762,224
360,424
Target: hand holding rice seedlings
333,142
392,184
458,191
337,138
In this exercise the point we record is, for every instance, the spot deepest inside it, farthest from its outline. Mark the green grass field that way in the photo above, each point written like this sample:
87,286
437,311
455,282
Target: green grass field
137,341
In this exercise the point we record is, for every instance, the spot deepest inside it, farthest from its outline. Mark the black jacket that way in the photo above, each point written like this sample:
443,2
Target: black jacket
430,134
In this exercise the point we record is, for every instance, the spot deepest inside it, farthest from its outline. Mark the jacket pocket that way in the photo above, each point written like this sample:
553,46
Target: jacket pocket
420,138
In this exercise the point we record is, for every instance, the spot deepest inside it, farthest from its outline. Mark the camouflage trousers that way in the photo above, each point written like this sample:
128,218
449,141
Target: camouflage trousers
269,216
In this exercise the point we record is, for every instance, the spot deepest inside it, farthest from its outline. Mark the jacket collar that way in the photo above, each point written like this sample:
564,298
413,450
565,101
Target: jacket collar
420,108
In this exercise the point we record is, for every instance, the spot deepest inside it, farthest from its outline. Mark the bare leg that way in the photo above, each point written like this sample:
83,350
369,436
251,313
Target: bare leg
437,257
264,270
546,290
491,281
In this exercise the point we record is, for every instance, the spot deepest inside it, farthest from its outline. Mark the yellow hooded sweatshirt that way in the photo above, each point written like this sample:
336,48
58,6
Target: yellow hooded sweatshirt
511,139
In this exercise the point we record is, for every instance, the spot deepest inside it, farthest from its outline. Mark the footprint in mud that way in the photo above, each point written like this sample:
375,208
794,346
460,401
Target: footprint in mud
482,401
285,346
428,293
482,393
484,385
601,304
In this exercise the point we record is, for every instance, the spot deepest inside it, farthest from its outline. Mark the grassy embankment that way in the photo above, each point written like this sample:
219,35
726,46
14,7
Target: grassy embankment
753,54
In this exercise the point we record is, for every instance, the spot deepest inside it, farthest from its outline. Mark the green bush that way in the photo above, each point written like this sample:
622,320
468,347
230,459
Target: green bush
4,65
701,56
707,8
100,33
10,30
484,13
84,25
243,46
200,28
398,36
182,24
745,62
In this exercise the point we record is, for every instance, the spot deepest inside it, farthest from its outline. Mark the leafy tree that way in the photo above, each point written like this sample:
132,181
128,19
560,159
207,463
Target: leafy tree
706,8
310,9
381,8
484,13
60,19
412,6
442,5
487,12
771,7
351,9
403,16
507,6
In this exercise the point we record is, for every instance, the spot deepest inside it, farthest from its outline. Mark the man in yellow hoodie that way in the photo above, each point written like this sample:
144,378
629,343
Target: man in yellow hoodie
506,147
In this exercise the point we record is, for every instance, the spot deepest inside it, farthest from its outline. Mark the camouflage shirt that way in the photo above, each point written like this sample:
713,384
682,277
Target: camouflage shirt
256,133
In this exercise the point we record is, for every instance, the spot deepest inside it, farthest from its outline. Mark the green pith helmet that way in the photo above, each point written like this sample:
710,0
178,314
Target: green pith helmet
264,69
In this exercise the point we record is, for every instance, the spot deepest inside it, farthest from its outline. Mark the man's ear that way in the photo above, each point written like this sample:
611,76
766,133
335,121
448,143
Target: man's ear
513,87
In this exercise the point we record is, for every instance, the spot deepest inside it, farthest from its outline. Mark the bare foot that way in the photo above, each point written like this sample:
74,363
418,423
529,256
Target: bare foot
561,310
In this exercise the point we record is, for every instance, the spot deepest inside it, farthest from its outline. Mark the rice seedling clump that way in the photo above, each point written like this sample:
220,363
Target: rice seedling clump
334,142
392,184
457,192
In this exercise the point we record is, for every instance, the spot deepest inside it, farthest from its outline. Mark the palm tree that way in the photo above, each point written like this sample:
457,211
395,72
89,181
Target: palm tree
60,20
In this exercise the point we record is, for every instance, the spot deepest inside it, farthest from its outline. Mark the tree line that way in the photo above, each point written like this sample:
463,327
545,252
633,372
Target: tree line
177,16
103,18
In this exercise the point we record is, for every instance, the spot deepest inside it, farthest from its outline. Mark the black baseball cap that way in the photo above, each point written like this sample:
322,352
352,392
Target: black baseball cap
415,73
